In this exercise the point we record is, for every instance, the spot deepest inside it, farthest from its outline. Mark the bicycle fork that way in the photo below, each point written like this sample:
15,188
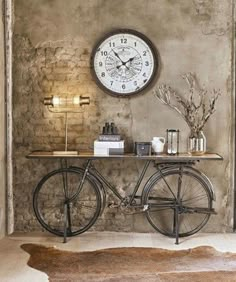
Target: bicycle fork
67,217
176,214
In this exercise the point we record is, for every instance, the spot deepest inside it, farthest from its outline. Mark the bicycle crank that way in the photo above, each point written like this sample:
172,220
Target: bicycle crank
132,209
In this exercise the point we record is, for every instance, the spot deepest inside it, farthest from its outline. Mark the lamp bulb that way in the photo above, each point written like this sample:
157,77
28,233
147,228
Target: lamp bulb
55,101
76,100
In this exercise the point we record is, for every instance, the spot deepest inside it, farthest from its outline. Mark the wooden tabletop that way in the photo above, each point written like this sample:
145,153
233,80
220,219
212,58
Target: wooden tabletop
161,157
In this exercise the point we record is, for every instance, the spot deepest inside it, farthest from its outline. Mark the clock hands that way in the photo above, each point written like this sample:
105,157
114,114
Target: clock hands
117,55
131,59
124,67
129,67
122,62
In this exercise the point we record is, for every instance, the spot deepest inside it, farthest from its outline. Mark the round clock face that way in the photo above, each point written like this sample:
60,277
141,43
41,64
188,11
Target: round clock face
124,63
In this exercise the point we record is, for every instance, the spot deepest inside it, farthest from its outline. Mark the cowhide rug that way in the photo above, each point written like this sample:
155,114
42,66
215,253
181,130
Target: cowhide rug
134,264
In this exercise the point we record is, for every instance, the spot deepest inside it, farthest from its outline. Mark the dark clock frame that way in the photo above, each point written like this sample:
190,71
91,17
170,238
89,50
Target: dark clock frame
156,59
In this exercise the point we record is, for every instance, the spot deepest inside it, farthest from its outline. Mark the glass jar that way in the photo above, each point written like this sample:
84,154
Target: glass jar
172,140
197,143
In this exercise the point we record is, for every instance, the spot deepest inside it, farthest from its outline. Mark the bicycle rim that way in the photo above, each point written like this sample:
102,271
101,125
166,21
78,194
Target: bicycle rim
50,197
194,196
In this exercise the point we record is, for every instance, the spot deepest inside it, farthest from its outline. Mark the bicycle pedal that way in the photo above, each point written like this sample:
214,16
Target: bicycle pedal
113,205
145,207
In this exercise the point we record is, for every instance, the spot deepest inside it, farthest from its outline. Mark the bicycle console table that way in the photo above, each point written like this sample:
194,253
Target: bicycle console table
177,199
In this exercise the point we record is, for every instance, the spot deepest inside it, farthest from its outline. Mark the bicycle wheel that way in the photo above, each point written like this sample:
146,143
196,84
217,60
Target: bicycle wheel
193,202
54,195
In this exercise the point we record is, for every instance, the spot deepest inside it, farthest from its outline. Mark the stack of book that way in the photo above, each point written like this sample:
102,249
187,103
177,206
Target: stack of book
109,142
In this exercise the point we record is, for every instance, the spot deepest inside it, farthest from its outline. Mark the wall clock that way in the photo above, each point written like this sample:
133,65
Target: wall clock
124,63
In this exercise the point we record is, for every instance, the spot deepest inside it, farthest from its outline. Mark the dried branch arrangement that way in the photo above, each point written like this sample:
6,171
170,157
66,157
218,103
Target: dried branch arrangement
195,107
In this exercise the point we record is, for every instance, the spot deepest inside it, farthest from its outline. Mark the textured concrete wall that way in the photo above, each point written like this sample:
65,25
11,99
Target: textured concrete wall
2,132
52,46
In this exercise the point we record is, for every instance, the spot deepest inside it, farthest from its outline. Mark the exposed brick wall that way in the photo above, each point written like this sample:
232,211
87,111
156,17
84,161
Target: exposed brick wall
52,69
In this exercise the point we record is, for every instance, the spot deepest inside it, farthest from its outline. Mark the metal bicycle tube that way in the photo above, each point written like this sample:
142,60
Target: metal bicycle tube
64,178
179,183
82,181
65,181
176,225
103,179
147,163
65,165
65,223
168,186
113,188
176,214
66,192
67,204
67,217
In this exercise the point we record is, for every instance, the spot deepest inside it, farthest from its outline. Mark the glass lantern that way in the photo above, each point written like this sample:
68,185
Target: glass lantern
172,141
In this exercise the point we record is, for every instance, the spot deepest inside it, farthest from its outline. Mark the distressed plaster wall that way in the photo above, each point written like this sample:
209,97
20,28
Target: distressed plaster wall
2,132
52,46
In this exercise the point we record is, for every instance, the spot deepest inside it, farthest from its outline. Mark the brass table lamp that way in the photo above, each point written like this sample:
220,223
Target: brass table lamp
65,104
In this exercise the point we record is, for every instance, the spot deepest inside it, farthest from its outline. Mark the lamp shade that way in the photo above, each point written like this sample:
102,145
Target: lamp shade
65,101
65,104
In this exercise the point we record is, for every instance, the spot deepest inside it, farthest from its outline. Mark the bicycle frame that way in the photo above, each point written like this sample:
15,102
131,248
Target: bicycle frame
92,171
149,194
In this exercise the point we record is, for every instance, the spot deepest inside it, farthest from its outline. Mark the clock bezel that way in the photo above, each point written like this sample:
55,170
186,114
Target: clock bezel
156,63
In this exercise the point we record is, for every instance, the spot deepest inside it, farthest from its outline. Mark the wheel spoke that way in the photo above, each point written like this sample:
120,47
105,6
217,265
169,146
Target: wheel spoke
194,206
200,197
60,186
195,193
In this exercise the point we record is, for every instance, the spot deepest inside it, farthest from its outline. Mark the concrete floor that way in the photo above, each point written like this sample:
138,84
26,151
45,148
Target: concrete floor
13,260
